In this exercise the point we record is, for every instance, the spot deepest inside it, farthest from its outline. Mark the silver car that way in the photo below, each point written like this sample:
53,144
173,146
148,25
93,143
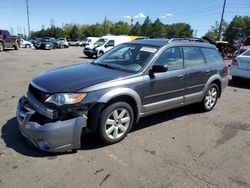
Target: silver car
240,67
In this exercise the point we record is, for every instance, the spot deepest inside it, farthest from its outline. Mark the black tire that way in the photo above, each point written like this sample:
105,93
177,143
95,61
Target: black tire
90,56
210,98
16,46
27,46
100,54
119,129
1,46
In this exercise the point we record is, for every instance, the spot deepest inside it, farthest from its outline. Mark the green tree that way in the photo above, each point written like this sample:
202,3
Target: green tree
136,29
146,28
158,29
238,29
74,33
120,28
213,33
179,30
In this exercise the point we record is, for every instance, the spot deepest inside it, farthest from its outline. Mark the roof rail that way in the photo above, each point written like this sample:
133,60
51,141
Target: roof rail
188,40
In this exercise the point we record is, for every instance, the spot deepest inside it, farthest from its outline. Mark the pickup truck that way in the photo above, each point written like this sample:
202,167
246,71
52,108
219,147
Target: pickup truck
8,41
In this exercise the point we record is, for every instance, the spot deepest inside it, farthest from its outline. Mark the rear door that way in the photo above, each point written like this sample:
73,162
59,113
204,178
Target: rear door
197,73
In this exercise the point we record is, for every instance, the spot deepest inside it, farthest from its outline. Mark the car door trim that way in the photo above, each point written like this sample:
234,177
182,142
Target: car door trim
164,104
164,93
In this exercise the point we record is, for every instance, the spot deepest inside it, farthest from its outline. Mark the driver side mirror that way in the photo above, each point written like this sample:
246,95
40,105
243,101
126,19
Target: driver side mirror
159,68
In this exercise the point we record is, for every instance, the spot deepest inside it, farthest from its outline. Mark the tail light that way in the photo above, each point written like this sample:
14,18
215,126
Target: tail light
234,62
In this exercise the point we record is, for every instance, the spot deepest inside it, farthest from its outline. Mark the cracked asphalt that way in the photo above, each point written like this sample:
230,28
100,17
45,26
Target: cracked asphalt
176,148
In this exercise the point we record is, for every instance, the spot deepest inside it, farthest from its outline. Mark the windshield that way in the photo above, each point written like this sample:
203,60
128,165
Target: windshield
127,57
100,42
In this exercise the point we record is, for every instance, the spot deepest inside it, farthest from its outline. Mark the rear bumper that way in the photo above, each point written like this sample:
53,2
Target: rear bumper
59,136
235,71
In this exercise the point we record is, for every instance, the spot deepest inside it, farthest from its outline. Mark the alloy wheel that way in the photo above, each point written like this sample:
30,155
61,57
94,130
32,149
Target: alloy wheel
211,98
117,123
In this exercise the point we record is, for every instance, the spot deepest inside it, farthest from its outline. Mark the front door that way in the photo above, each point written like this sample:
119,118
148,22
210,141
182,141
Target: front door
165,90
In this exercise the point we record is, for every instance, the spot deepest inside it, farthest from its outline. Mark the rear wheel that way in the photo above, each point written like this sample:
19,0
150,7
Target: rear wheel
115,122
210,98
1,47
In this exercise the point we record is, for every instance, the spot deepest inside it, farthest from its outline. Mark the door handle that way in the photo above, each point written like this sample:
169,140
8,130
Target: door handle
180,76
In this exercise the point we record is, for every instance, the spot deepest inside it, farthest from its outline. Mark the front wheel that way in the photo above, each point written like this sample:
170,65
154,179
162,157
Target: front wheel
115,122
210,98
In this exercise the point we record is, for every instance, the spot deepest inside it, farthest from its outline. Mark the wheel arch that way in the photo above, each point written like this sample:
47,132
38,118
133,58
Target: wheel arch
126,95
216,79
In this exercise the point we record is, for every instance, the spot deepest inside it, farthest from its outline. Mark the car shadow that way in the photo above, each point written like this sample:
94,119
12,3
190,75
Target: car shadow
241,83
90,142
14,140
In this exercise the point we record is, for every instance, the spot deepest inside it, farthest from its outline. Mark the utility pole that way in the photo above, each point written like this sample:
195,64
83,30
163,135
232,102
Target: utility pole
221,20
28,17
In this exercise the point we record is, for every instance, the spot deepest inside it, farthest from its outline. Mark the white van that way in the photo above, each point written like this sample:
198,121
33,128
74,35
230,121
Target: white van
106,43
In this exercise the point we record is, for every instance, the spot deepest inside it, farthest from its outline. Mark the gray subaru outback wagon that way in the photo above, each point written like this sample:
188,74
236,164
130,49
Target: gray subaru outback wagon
108,96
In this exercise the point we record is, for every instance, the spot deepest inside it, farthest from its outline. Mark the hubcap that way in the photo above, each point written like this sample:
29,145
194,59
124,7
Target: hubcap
211,98
117,123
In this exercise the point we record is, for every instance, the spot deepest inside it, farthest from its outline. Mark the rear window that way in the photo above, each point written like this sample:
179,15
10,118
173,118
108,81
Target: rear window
246,53
212,55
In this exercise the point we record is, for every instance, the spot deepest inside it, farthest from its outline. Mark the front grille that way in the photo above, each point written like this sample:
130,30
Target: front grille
38,94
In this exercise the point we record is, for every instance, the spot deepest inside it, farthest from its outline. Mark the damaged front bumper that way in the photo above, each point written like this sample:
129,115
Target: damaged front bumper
57,136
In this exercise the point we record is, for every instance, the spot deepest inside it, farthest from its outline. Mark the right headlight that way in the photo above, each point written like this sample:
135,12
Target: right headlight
60,99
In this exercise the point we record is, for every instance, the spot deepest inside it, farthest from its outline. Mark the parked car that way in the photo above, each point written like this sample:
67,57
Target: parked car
240,67
25,44
48,43
110,95
36,42
104,44
8,41
64,42
74,42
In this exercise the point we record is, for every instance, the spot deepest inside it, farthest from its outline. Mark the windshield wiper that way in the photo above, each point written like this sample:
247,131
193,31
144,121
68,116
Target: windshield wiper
104,65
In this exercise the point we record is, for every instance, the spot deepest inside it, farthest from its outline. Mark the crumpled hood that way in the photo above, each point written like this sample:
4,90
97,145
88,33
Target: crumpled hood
76,77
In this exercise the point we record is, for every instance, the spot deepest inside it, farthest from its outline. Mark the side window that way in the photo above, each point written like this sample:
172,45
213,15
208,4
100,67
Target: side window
110,43
172,57
192,57
212,55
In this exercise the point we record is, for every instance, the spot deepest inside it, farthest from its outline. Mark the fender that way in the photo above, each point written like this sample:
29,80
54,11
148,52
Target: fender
210,80
119,92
